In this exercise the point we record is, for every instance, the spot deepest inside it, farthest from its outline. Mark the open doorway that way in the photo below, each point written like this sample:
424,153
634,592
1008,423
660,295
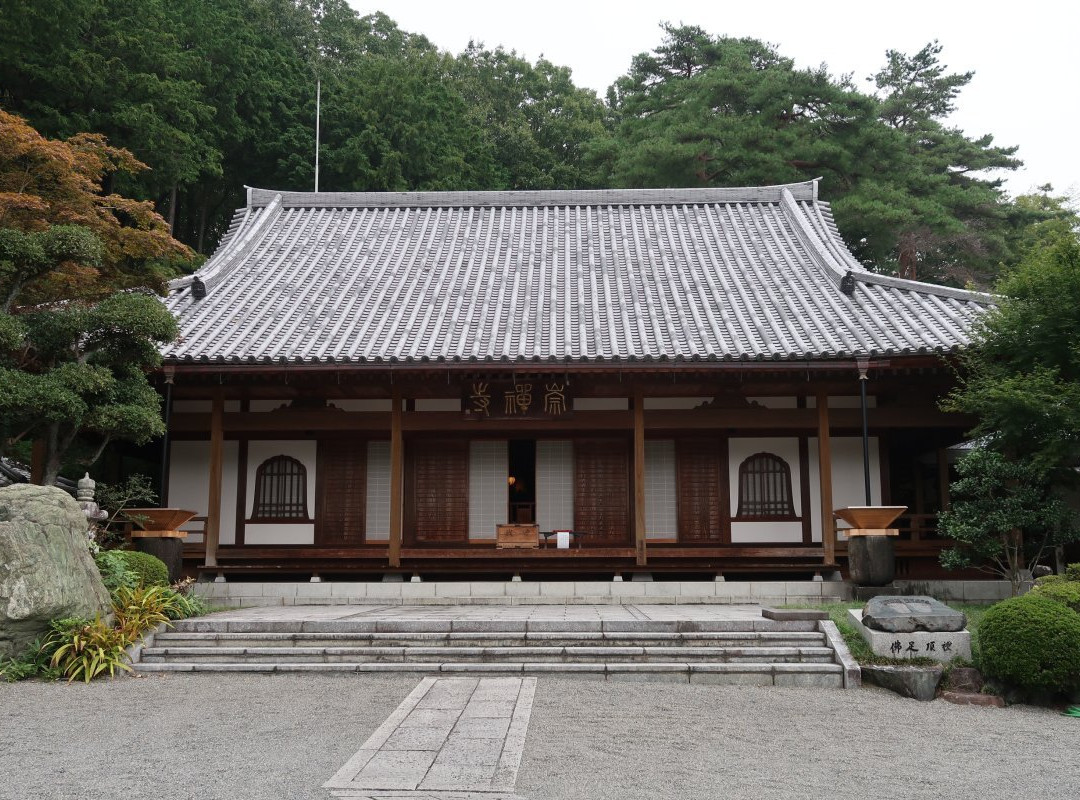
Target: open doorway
521,458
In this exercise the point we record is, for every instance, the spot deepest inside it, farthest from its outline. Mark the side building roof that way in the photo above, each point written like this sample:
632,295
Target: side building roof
559,277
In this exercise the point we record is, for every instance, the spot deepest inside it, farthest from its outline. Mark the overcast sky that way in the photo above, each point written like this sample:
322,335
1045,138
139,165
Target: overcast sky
1024,54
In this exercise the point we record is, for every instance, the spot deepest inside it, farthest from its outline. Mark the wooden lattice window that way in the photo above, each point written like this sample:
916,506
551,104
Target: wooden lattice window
765,488
280,490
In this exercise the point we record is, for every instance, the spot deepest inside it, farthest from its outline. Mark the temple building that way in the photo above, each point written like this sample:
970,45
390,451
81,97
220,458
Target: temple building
669,381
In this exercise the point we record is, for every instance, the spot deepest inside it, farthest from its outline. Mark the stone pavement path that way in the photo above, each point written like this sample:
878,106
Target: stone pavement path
450,739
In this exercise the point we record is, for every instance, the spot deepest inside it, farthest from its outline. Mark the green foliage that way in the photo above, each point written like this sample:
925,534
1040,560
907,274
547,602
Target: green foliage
31,663
1023,379
1003,515
78,373
150,570
1065,592
1072,572
1032,642
906,191
145,607
88,650
115,573
135,490
184,602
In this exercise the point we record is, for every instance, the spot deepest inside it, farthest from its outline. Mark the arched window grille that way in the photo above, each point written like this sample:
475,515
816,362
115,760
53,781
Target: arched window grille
280,490
765,487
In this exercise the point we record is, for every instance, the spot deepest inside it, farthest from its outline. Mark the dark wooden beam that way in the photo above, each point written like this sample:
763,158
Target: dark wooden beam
639,479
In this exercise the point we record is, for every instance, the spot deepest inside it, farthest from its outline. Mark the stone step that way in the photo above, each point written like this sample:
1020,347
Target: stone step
410,626
539,654
760,674
492,639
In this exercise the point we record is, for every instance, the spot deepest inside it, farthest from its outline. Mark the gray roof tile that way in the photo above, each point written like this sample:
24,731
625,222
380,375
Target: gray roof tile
613,275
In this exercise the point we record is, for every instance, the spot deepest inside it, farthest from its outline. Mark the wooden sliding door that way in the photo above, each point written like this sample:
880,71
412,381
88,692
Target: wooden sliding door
437,494
340,516
702,485
602,491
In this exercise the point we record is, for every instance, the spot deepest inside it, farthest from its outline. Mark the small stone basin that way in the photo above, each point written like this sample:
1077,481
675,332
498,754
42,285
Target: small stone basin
158,519
869,516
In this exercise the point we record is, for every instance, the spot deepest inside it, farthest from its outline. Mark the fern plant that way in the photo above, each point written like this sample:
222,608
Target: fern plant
144,607
86,651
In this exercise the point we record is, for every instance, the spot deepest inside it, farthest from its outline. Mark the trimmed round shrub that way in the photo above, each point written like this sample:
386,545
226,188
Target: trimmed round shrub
1065,592
150,569
1032,642
1072,572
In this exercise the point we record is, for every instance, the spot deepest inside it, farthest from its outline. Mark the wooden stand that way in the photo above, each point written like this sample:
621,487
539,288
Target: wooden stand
517,536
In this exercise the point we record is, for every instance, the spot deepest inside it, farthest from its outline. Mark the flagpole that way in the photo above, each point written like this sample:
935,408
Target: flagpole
318,109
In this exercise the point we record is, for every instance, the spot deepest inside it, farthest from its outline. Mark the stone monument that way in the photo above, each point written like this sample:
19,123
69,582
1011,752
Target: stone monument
913,627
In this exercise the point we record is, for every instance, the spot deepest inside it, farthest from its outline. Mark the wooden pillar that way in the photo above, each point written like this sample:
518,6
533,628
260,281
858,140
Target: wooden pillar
396,481
828,525
217,447
37,462
943,477
639,478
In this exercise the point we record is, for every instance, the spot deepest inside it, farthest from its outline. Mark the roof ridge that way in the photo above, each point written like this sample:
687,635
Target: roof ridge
836,269
804,190
213,271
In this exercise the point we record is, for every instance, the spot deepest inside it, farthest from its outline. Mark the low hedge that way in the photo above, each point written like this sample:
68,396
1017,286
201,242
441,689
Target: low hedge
1032,642
1065,592
150,570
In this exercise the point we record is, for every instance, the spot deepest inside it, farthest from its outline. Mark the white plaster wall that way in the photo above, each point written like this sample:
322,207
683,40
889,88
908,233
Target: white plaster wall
751,532
377,508
488,489
189,483
766,532
280,533
661,502
674,403
360,404
438,404
601,404
847,476
554,484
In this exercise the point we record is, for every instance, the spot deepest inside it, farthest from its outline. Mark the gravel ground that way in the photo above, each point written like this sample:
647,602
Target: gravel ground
178,737
281,736
624,740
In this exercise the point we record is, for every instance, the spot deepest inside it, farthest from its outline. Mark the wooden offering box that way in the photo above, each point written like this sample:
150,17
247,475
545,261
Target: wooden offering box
517,536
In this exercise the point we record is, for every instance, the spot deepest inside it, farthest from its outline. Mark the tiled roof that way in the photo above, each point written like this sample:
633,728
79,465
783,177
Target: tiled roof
613,275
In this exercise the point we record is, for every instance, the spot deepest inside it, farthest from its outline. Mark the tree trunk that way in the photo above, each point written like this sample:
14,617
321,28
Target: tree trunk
172,208
202,226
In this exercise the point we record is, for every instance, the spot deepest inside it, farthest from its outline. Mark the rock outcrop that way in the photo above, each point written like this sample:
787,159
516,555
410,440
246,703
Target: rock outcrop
46,570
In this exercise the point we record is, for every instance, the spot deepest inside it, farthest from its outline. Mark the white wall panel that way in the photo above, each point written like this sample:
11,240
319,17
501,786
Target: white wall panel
554,484
377,505
279,533
189,483
847,472
488,489
661,501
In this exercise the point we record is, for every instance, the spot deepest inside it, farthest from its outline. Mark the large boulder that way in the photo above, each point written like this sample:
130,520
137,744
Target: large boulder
46,570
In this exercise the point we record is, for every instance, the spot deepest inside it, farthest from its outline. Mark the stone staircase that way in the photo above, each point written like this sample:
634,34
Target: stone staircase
722,652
